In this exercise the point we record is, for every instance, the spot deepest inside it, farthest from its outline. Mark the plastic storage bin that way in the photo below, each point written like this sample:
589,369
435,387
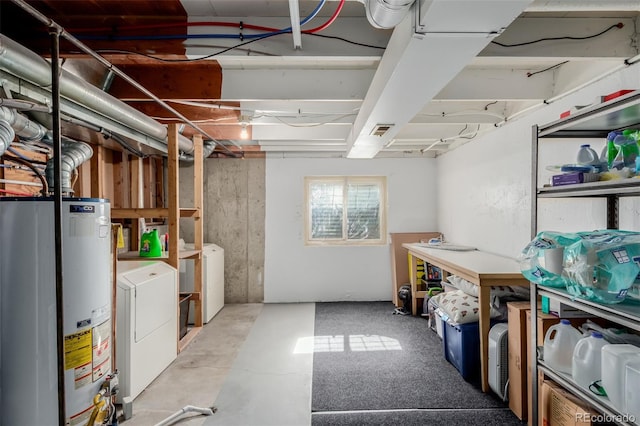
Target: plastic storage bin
185,298
461,345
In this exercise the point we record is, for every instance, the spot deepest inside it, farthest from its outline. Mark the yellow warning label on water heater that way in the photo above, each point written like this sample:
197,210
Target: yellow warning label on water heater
77,349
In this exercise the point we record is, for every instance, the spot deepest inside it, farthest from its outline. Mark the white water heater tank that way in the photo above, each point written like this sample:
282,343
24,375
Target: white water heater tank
28,344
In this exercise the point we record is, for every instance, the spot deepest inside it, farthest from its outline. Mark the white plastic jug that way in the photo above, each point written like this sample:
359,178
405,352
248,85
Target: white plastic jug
632,388
587,359
559,343
614,360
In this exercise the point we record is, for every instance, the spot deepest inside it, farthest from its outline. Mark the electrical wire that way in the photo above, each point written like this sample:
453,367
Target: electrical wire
311,124
45,188
158,58
529,74
227,49
239,25
348,41
241,36
462,113
618,25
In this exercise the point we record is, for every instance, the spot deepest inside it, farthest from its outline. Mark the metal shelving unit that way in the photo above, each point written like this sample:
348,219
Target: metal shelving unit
592,122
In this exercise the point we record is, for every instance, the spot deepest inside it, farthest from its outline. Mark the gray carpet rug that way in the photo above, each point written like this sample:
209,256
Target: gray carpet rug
367,359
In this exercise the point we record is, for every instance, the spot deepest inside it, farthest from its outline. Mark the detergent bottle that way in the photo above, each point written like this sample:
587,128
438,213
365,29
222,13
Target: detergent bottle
559,343
150,245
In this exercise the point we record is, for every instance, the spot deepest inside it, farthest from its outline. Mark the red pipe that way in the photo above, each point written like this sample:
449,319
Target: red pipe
210,24
25,194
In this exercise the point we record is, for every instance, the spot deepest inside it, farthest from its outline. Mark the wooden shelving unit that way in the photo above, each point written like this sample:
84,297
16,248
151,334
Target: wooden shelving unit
173,213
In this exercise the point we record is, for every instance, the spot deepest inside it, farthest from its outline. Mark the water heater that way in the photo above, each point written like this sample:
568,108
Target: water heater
28,343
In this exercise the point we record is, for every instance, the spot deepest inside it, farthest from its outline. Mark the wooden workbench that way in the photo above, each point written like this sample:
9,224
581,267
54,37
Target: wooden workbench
480,268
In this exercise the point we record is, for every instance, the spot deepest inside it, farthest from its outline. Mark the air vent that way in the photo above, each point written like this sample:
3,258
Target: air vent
381,129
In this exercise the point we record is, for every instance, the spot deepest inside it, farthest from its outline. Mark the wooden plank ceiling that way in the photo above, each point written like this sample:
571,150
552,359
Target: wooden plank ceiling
176,82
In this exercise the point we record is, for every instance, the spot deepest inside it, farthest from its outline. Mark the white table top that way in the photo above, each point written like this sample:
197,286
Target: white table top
481,268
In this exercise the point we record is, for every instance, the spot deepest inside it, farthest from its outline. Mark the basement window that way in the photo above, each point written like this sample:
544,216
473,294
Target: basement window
345,210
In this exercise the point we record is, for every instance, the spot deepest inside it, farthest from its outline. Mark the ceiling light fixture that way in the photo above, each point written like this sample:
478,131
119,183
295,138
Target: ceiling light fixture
244,120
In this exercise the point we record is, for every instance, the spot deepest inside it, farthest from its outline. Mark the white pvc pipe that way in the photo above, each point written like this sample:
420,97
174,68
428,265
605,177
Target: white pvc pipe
186,409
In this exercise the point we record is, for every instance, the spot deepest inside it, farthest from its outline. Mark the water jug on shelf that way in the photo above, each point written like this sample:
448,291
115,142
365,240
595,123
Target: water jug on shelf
559,343
614,361
587,359
632,388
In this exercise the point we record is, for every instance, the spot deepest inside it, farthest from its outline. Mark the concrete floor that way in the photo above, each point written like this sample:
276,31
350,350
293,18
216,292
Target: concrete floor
197,375
252,362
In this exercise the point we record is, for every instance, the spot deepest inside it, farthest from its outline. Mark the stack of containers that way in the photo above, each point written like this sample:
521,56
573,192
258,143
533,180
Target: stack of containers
591,360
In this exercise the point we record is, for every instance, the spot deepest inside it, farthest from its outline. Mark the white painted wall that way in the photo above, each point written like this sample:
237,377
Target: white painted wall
297,273
484,186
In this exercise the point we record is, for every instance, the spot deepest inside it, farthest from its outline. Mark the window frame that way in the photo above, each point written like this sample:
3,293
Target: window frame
380,181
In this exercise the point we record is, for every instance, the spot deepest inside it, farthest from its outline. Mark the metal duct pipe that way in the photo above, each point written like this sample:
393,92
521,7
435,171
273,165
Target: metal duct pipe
73,155
27,130
6,135
387,13
22,62
207,149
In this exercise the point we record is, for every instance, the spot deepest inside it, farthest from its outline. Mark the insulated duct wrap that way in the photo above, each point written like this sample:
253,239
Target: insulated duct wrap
386,13
6,135
27,130
23,63
73,155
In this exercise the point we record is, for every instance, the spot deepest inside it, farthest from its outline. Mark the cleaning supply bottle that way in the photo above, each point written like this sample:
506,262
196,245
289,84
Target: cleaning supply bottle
587,359
587,156
150,245
559,343
613,150
628,148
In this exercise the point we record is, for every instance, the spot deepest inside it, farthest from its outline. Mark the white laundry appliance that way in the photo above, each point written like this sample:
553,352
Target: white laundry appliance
212,280
146,323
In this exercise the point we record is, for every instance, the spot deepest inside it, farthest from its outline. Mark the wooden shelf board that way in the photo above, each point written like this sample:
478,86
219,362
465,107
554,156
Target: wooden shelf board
184,342
421,294
195,295
190,212
189,254
184,254
139,213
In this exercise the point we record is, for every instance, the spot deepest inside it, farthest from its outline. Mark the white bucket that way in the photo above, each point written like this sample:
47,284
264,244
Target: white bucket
587,359
559,343
614,360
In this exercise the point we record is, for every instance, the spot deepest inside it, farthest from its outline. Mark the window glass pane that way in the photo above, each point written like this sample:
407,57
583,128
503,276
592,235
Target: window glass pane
326,210
363,211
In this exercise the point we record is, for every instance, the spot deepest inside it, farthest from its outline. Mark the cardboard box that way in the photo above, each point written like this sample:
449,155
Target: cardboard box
555,307
544,400
517,344
560,408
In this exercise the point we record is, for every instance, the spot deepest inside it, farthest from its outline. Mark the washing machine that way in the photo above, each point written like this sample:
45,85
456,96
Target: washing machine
146,323
212,280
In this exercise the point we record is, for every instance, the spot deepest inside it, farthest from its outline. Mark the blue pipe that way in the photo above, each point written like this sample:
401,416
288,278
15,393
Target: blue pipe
203,36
